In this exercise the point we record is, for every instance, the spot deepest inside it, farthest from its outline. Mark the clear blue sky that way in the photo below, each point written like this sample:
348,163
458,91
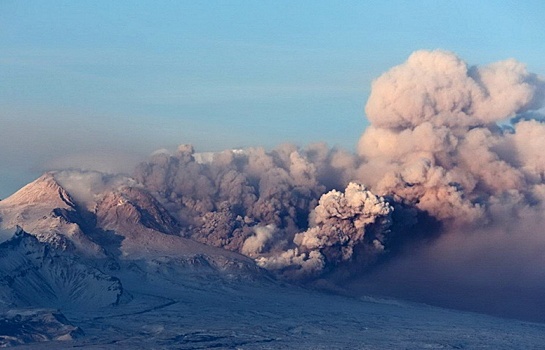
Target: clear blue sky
119,79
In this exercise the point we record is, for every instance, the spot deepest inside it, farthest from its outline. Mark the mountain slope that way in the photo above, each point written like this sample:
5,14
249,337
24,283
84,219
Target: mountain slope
62,245
145,229
40,275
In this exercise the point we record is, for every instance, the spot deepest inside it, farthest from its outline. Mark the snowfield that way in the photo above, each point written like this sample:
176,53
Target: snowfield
203,312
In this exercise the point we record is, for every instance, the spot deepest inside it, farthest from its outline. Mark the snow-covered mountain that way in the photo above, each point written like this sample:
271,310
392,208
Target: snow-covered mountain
117,222
64,251
38,274
46,210
110,257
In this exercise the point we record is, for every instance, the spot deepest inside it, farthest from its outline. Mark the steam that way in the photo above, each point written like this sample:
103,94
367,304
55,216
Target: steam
87,187
111,162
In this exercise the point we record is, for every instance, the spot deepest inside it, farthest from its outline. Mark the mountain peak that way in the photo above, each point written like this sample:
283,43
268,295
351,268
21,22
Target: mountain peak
46,210
43,190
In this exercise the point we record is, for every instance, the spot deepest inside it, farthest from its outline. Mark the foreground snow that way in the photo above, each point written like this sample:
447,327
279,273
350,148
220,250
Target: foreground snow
202,312
37,325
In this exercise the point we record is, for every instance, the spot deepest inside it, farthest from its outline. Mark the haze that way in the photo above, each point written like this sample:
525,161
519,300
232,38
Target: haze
102,85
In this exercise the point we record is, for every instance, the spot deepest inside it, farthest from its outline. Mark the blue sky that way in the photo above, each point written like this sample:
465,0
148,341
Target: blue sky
112,81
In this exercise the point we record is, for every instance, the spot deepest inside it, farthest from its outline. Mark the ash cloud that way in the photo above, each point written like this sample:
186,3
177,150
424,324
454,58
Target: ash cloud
436,143
257,243
340,223
434,140
447,184
226,200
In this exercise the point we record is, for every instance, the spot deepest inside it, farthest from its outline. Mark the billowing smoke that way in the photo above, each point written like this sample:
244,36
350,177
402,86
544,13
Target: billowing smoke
464,145
234,198
257,243
448,183
435,141
339,224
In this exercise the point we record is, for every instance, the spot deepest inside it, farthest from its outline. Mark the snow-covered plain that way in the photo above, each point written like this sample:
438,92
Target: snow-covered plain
203,312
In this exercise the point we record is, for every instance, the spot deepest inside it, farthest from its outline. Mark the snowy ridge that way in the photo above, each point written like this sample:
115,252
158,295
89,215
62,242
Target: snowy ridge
125,221
60,250
40,275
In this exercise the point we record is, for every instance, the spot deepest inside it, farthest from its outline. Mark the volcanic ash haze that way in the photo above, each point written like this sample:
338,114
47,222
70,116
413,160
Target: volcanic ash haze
444,201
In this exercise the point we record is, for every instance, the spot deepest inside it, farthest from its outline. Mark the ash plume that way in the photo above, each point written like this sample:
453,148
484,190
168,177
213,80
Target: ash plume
461,144
257,243
448,180
232,197
339,224
435,141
